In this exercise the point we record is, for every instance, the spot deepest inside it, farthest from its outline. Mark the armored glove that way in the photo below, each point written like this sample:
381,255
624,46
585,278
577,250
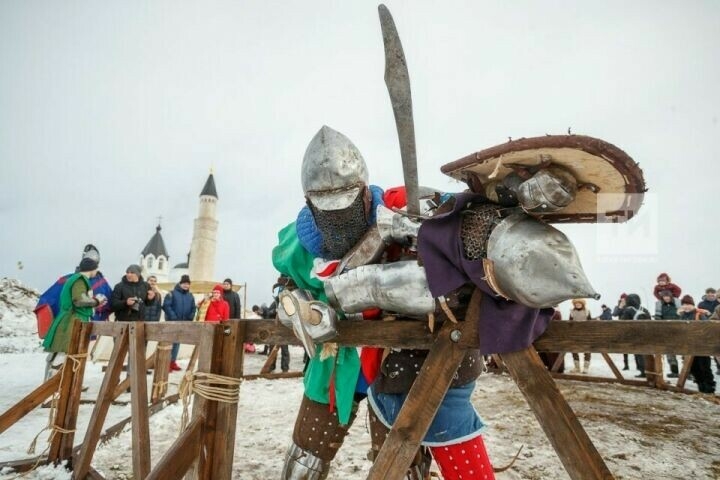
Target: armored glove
312,321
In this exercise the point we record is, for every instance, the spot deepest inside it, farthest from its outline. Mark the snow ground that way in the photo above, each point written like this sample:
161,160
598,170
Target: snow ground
641,433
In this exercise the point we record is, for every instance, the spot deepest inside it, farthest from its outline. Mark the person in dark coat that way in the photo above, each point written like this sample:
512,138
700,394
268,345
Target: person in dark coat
232,298
633,311
179,305
131,295
153,310
701,367
666,309
606,314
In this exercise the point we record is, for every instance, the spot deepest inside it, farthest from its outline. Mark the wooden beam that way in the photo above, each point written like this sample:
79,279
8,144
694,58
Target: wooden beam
682,378
121,387
567,436
211,422
233,354
104,399
31,401
139,402
612,366
69,394
177,332
205,355
424,398
271,360
181,455
632,336
174,332
273,375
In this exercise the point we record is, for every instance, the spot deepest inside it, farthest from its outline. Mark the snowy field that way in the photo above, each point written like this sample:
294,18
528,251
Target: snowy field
641,433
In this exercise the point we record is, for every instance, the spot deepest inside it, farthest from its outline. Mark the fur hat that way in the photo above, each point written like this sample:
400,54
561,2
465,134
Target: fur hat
578,300
687,300
87,264
134,268
218,288
185,279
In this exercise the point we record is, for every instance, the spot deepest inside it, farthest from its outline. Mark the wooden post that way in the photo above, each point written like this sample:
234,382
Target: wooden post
68,402
567,436
272,358
682,378
559,361
105,397
161,373
612,366
209,352
232,366
139,402
425,396
211,423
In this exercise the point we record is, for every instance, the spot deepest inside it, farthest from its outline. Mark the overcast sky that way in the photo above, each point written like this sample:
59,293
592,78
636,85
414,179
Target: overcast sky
112,114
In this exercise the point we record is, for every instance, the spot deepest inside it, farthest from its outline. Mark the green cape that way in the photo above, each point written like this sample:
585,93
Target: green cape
291,258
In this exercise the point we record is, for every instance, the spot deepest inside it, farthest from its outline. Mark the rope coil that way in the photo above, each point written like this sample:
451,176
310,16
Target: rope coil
209,386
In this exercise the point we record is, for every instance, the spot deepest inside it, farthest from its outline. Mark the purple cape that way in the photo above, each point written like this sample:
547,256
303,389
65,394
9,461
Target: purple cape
503,326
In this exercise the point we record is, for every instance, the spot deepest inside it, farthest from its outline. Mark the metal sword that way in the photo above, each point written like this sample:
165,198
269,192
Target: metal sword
397,80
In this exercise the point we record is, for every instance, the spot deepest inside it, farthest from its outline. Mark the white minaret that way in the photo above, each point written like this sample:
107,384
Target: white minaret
202,250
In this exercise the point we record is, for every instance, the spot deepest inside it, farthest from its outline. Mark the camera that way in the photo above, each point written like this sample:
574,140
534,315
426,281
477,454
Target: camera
136,306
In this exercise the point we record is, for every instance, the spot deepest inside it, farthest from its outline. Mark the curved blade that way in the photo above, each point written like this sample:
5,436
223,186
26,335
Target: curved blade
397,80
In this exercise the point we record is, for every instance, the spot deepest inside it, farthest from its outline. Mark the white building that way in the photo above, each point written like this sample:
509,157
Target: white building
154,258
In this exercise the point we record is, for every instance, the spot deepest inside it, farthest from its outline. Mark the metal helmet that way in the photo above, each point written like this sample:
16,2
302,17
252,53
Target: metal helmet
549,190
535,264
333,170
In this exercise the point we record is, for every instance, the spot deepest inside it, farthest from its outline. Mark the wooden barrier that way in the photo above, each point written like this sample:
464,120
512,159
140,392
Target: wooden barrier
205,449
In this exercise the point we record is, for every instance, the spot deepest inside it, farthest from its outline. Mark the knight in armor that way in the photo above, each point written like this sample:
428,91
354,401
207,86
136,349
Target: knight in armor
520,263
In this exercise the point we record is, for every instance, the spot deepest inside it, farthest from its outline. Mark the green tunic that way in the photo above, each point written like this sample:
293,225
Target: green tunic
291,259
58,337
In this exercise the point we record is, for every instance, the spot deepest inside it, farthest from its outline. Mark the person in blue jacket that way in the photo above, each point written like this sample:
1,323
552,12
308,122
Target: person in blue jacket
179,305
98,284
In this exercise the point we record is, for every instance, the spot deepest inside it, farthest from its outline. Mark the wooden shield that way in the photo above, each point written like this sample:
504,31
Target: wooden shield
613,184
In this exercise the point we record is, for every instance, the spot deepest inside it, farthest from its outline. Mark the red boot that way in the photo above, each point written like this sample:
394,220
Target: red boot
464,461
174,367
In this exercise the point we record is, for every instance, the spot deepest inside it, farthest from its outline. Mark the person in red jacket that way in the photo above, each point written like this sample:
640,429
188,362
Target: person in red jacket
219,309
664,283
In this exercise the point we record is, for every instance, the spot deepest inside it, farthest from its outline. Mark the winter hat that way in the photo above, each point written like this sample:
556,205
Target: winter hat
663,275
185,279
218,288
134,268
710,290
228,280
623,295
87,265
687,300
91,251
578,300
